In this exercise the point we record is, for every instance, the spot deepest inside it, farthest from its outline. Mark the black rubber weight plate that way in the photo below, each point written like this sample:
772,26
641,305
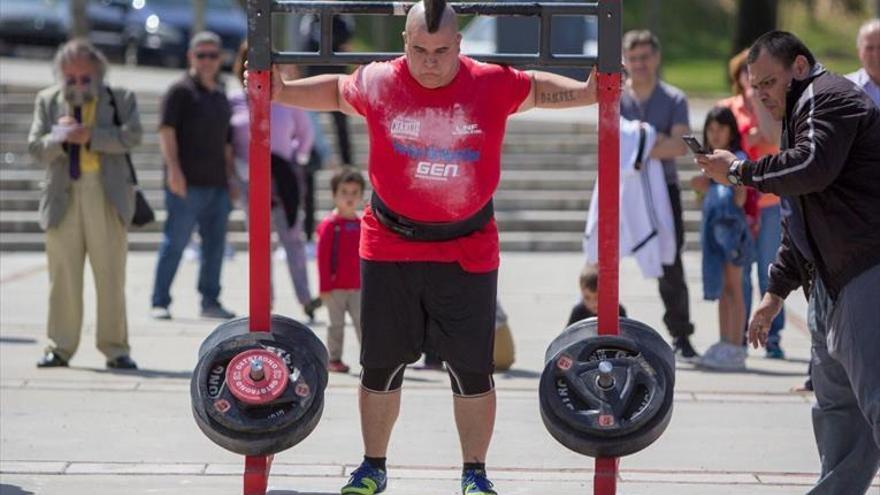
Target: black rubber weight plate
660,356
269,442
632,329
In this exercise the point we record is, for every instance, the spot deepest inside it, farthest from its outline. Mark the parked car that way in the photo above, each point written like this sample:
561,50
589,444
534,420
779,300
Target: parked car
159,30
41,23
137,31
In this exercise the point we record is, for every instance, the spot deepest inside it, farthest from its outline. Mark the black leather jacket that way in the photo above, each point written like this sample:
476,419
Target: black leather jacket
828,175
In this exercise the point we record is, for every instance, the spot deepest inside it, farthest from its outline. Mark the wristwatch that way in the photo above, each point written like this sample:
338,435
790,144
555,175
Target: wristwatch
734,173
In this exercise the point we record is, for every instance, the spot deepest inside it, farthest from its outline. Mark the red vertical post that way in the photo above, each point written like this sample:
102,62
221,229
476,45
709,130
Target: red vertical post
256,471
256,474
259,101
605,477
259,95
609,200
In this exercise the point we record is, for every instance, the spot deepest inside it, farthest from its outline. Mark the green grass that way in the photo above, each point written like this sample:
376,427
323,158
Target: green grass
699,68
698,77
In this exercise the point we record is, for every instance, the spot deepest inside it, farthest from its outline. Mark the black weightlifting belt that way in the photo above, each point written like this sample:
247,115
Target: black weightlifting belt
425,231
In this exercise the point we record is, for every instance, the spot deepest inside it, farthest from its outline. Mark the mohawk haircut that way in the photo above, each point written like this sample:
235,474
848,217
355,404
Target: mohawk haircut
434,14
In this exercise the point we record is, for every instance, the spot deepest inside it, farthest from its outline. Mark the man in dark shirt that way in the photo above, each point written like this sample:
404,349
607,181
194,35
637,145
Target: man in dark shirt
648,99
194,137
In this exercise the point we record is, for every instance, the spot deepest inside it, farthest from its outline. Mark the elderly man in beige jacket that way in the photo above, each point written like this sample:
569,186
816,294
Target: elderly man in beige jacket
87,201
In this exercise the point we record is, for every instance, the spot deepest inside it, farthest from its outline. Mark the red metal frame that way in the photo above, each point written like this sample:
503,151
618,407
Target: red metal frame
609,200
605,477
256,474
256,470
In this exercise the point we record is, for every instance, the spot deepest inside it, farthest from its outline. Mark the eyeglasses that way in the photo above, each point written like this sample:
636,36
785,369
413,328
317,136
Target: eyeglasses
208,55
83,80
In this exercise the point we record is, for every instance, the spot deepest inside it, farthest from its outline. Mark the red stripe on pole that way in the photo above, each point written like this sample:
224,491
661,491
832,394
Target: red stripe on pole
259,99
609,201
605,479
256,474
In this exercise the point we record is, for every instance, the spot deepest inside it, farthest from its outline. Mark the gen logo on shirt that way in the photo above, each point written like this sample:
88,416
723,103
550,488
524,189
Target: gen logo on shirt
402,127
436,171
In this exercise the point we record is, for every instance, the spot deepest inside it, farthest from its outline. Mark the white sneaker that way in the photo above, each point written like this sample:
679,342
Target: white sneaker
160,313
192,252
280,254
724,357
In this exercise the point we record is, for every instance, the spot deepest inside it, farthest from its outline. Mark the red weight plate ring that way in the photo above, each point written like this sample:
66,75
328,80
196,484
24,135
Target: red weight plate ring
257,376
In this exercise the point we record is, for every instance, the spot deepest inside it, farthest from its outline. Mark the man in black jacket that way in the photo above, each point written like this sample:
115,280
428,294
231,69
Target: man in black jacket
828,175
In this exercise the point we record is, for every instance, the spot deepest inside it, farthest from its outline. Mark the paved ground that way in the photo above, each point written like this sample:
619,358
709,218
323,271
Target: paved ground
85,430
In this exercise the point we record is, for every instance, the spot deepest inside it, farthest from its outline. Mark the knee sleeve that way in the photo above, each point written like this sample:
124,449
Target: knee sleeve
470,384
383,379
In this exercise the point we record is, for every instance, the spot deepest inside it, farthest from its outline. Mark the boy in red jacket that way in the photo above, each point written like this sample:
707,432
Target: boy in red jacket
339,263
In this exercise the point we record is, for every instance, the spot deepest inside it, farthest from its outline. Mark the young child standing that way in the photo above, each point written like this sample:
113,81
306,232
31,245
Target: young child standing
339,262
588,307
727,245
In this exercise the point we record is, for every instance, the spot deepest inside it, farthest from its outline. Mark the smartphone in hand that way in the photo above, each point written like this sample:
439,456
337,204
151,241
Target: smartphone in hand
694,144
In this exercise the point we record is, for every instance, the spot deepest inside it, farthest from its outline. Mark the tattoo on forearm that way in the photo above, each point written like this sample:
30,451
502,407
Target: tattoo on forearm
557,97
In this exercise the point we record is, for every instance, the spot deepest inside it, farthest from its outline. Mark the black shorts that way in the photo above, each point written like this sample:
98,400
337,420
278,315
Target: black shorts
408,305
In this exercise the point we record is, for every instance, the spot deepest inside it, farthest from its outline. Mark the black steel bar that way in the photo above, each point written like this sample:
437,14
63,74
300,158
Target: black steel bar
461,8
259,34
544,50
545,10
326,35
514,59
610,36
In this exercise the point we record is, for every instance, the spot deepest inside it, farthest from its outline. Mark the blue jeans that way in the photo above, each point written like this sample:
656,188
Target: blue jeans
207,207
769,238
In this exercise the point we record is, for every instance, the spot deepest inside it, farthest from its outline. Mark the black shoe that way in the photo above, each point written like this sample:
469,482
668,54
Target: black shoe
217,312
122,363
684,351
51,360
310,307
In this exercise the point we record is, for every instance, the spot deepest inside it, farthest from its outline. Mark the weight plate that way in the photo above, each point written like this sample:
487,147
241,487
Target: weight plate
281,423
257,377
607,396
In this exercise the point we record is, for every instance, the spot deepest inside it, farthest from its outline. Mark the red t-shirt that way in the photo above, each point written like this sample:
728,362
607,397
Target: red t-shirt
435,154
339,266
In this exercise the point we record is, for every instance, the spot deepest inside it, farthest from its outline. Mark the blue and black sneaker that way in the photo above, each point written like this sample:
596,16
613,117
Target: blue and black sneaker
474,482
366,480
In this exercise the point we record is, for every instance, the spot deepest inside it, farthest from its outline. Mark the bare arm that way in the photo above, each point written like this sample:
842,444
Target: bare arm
229,154
554,91
322,93
168,146
672,146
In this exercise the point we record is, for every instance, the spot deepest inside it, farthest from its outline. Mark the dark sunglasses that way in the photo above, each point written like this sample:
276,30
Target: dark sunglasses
83,80
208,55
